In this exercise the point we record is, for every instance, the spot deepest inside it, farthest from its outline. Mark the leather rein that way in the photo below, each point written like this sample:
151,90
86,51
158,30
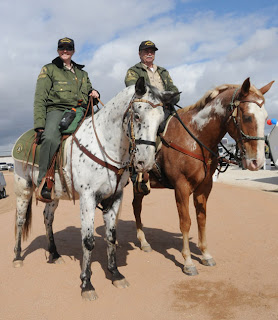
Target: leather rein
133,142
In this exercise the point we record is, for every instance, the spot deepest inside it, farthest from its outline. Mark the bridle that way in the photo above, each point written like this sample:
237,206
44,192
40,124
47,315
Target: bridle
130,110
133,142
235,115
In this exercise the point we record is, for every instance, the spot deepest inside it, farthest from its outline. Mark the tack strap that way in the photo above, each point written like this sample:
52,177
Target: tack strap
176,147
98,160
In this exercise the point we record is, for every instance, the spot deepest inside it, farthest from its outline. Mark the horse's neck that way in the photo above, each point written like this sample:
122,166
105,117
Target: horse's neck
210,122
108,123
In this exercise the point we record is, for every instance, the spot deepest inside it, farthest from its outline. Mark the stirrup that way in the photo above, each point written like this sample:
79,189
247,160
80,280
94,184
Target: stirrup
39,190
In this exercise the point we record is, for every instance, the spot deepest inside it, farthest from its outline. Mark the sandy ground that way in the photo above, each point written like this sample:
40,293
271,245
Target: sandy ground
242,237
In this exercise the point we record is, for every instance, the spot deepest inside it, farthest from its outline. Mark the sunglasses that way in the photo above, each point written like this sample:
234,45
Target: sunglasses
65,48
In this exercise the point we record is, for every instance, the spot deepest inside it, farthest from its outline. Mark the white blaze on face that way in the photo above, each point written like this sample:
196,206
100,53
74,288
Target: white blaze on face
260,116
203,117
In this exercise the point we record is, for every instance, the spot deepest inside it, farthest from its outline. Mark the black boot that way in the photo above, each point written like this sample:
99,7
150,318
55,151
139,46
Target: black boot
46,193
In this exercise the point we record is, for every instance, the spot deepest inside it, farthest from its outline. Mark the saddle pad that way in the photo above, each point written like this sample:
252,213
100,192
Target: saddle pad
23,148
158,139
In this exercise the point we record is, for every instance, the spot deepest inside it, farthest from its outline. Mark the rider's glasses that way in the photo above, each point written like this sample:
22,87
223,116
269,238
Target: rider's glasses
65,48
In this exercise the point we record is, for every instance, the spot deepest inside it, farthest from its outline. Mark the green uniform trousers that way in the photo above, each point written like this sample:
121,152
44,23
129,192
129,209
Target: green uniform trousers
51,139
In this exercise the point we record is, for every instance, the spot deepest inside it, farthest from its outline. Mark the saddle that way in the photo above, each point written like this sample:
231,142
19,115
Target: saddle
27,150
49,178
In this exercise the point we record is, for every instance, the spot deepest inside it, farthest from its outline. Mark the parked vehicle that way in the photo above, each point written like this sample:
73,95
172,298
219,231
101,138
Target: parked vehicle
2,186
3,166
10,166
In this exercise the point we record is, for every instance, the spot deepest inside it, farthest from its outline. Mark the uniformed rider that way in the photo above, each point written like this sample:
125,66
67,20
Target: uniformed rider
60,85
155,75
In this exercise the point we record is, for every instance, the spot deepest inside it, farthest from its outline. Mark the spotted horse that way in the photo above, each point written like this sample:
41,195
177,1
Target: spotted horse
98,156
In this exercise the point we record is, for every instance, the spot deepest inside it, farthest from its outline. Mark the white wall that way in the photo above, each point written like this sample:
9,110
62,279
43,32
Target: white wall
7,159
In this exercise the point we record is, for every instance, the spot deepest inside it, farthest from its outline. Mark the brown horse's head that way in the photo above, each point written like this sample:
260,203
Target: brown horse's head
247,123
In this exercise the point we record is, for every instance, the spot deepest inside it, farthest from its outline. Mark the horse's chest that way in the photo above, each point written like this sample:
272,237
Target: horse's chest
101,181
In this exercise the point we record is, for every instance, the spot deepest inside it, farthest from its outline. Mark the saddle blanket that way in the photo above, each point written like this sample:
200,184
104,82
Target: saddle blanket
22,150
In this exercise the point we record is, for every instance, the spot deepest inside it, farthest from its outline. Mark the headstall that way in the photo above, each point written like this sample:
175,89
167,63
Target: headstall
235,114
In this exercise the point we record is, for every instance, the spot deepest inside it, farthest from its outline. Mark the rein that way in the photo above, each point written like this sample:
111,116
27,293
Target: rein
119,171
234,105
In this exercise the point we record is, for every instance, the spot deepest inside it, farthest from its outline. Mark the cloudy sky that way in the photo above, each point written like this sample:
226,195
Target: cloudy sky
202,43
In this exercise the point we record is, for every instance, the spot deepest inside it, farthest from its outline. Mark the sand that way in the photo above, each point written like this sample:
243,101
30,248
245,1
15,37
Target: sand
242,237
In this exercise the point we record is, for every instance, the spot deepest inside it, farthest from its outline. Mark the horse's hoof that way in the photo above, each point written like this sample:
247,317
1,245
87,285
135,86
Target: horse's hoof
89,295
190,270
146,248
208,262
18,263
59,260
121,284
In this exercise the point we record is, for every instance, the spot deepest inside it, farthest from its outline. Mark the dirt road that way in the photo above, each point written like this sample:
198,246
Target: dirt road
242,237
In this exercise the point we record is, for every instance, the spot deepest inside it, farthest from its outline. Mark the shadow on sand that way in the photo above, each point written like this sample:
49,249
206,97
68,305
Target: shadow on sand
68,242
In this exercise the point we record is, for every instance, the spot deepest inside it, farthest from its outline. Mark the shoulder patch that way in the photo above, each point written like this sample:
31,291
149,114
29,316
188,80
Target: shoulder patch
43,73
131,75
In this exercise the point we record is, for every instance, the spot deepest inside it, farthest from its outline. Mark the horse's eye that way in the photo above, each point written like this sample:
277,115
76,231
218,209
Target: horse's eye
136,117
246,118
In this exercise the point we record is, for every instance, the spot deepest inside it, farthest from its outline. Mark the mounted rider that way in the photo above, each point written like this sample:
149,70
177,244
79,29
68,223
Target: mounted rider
155,75
60,86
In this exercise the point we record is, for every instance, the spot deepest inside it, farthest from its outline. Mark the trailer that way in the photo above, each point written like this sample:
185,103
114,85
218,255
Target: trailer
2,186
273,144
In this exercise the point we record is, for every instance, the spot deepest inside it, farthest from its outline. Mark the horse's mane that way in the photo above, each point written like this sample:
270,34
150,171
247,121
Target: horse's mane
212,94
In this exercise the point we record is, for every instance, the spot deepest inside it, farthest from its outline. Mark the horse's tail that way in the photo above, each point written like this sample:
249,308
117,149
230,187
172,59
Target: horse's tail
28,220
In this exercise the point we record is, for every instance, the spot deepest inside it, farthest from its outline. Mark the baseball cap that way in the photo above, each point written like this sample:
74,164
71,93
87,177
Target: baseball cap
146,45
66,42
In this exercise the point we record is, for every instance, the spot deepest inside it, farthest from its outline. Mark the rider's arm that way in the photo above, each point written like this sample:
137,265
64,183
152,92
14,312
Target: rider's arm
44,84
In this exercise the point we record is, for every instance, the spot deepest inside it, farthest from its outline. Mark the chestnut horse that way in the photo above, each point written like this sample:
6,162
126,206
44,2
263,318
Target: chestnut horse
188,158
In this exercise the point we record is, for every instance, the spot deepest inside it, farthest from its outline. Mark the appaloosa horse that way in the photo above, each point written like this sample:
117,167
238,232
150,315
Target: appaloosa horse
188,159
99,158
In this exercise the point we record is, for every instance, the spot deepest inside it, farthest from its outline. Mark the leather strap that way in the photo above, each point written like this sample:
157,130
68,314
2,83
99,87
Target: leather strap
174,146
96,159
147,142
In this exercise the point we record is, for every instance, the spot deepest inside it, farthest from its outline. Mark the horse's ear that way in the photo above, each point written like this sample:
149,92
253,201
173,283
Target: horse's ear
168,97
140,86
266,87
245,88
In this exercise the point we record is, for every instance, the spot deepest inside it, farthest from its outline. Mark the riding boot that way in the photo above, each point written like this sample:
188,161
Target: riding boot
142,184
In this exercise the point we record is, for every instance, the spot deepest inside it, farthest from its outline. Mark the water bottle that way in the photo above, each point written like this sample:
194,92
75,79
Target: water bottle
67,119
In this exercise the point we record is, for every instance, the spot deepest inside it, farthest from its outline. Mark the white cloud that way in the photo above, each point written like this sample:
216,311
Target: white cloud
200,52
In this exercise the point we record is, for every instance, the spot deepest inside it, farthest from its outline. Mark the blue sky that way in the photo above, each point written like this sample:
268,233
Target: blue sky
202,43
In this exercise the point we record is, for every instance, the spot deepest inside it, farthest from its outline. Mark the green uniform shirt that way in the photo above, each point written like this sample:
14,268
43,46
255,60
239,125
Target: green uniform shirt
58,88
138,71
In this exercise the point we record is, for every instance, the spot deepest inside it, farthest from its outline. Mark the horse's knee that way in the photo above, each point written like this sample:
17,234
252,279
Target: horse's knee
89,242
111,237
20,221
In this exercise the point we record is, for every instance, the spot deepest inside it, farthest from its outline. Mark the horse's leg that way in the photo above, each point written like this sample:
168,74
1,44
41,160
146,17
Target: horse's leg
87,215
137,209
110,217
22,224
48,214
200,203
182,200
